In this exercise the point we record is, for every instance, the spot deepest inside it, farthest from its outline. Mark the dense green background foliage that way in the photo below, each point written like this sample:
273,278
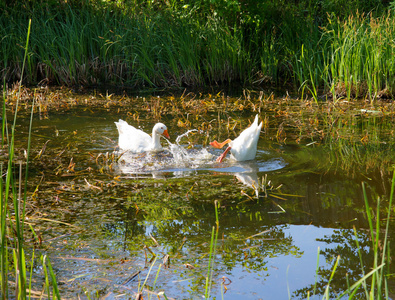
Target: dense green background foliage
333,46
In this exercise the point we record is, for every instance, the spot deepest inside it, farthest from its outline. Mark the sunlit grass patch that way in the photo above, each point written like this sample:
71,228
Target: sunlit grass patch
352,59
334,58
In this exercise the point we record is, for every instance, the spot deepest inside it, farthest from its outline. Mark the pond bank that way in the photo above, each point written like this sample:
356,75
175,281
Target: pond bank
204,45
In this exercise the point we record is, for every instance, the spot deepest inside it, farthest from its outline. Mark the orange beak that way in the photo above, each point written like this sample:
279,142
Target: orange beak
166,134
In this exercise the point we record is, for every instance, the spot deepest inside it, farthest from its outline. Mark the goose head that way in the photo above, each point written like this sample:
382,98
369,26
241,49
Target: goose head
160,129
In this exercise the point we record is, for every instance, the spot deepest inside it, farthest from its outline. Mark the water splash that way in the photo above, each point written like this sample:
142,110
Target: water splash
181,160
178,139
189,158
175,158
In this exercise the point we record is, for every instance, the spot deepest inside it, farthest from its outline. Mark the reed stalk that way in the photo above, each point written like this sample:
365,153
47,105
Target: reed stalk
213,244
12,218
344,57
374,283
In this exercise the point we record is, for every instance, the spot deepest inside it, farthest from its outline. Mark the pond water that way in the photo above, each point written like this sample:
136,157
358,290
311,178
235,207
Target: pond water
113,223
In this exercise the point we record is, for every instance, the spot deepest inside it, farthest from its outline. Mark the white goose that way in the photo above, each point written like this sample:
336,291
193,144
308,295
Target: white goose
244,146
135,140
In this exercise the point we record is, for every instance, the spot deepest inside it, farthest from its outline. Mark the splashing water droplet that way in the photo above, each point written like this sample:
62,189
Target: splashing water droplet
175,158
192,158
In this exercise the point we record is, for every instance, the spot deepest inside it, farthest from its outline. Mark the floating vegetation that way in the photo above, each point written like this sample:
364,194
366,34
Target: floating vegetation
344,128
149,226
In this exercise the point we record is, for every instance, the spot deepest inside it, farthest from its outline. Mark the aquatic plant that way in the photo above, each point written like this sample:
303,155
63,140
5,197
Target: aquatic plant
377,276
213,248
254,44
291,125
12,228
73,48
351,59
373,252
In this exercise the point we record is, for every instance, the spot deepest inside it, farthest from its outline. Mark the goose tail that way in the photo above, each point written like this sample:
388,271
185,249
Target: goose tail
121,125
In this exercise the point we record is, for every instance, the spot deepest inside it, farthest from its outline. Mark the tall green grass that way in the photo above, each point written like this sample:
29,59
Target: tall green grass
72,47
174,46
352,59
12,225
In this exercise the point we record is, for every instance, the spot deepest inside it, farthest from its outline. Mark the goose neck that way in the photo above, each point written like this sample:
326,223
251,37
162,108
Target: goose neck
155,140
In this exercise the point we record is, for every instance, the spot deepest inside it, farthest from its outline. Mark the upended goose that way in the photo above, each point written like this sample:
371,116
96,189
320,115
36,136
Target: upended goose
244,146
135,140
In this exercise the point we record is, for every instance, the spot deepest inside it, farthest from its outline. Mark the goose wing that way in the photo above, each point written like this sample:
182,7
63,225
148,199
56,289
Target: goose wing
132,139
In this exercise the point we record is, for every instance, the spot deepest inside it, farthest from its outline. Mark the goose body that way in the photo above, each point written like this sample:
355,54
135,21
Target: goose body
136,140
243,147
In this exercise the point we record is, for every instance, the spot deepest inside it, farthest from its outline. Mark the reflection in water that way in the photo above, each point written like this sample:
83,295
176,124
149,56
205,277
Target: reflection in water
247,172
112,225
182,162
249,179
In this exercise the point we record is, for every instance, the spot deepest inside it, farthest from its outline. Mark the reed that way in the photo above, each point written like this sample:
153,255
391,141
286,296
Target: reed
70,47
374,283
353,58
192,45
13,216
213,244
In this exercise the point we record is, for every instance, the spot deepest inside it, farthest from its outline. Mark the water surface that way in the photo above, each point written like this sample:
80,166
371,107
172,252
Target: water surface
275,213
